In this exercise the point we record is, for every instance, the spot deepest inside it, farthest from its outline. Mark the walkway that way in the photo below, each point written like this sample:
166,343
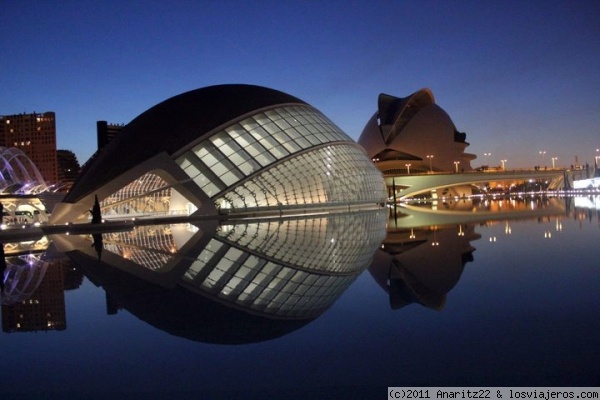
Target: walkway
415,184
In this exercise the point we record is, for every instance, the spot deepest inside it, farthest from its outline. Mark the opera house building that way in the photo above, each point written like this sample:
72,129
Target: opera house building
414,135
223,150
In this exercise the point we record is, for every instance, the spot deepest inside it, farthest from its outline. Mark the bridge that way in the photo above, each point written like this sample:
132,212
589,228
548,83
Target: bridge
415,184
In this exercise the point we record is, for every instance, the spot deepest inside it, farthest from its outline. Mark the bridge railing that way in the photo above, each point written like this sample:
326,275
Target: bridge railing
514,171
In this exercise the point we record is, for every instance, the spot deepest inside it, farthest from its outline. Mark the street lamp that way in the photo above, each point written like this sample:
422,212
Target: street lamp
542,153
408,168
503,165
487,160
553,160
456,165
430,156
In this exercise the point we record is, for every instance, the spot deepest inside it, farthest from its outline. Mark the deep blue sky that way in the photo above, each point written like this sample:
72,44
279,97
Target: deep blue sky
518,77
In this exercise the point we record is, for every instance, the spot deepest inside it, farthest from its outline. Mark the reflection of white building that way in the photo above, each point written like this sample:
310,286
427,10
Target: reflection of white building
278,268
225,149
593,183
422,265
588,202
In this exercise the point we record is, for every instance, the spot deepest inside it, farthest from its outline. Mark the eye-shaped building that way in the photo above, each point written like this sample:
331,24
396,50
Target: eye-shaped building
221,150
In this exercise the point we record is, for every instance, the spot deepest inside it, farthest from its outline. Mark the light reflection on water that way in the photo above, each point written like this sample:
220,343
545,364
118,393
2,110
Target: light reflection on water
504,301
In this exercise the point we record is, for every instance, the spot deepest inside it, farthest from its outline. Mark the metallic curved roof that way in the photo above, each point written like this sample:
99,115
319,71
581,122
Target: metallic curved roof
18,173
170,126
396,112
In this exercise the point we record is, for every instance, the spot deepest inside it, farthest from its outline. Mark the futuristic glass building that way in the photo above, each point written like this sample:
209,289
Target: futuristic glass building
225,149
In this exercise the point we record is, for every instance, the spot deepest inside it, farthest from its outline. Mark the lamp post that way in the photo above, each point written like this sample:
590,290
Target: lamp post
503,165
456,166
553,160
430,156
408,168
487,160
542,153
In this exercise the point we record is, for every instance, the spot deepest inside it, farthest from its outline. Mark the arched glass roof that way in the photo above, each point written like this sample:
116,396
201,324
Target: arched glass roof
18,174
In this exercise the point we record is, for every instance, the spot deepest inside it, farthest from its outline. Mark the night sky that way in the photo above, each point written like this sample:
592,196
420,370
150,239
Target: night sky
519,77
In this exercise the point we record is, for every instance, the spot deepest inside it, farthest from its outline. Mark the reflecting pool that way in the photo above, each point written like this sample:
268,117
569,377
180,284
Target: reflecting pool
329,306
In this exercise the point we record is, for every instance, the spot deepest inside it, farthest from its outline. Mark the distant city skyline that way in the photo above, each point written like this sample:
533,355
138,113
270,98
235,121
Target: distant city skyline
520,78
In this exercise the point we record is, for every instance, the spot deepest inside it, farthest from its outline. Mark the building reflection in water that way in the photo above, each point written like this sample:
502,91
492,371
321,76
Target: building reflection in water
237,282
421,265
32,287
249,280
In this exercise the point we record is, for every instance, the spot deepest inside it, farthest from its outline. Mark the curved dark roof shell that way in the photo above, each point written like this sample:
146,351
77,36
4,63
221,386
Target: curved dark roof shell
171,125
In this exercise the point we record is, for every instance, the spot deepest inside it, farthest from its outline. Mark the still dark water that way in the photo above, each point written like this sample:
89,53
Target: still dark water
508,302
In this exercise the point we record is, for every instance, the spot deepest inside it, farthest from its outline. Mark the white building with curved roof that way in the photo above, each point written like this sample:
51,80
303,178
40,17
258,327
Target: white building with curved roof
226,149
414,130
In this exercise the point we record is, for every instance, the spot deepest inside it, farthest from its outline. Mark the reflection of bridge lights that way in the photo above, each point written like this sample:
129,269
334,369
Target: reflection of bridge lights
460,231
434,241
492,238
507,229
559,226
548,235
412,234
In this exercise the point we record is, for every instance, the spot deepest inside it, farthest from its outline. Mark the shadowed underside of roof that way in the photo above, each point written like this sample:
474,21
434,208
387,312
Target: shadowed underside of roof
171,125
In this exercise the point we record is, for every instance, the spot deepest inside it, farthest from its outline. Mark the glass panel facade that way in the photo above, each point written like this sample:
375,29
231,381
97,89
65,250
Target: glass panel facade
254,143
337,173
148,194
281,158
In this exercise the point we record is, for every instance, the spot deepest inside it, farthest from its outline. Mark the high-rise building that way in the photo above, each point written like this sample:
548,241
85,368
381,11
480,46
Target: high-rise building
35,135
106,132
44,309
